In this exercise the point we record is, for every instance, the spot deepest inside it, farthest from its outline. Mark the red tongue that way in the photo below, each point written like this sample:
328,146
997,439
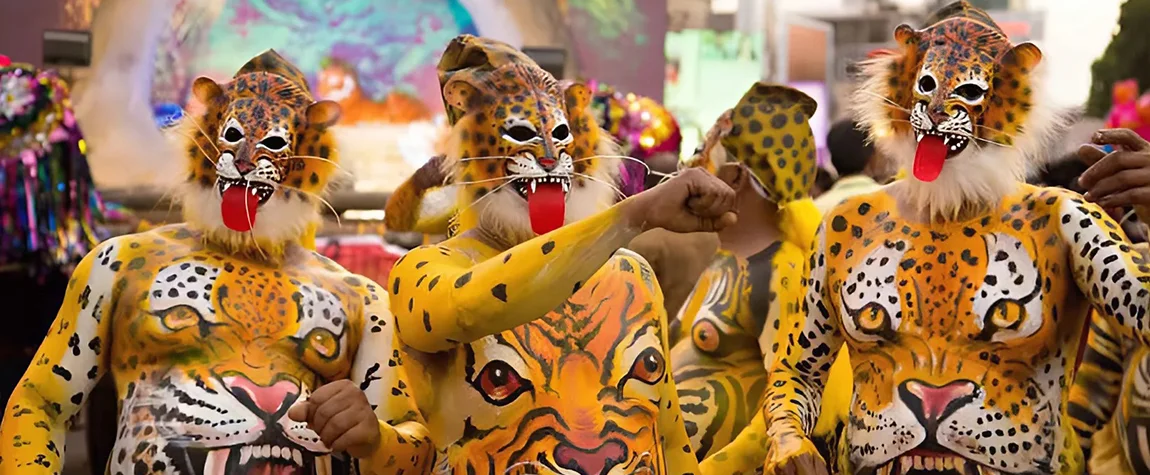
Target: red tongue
239,208
547,207
929,158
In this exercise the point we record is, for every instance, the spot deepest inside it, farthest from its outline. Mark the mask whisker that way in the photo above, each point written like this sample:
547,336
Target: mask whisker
889,103
494,157
621,157
311,157
490,193
600,180
482,181
205,134
251,230
338,222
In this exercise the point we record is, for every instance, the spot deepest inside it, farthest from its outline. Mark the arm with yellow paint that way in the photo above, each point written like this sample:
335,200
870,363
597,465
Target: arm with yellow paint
69,363
405,444
800,373
442,297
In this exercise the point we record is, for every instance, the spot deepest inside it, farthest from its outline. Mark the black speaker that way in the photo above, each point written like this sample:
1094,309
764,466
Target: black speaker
67,48
552,60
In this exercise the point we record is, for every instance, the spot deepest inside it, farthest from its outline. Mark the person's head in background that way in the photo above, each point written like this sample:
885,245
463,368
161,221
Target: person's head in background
1063,173
824,180
851,152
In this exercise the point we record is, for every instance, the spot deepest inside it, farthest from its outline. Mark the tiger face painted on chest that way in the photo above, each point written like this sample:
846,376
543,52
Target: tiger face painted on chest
963,337
575,391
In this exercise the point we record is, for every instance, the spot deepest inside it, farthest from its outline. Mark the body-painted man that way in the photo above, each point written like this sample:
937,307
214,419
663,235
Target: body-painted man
961,292
1110,399
214,328
540,345
729,324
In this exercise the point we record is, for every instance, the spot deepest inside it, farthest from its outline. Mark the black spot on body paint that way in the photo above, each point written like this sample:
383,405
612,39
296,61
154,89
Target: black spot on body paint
839,224
463,280
548,247
500,292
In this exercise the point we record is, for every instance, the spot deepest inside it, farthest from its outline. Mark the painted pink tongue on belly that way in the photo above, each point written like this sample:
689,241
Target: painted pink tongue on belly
547,207
239,208
929,158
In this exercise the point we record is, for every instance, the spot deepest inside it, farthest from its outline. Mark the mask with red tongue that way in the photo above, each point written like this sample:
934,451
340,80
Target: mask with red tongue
238,208
929,158
547,206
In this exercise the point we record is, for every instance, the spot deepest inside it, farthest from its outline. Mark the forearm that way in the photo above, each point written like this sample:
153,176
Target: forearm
403,448
744,455
33,433
67,366
439,300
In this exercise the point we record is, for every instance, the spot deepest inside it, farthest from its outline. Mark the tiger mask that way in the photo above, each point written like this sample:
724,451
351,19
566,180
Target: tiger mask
524,152
960,107
260,159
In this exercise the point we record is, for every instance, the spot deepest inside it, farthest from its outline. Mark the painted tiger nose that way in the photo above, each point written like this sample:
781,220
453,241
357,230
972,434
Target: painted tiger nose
547,163
597,461
269,400
244,166
933,404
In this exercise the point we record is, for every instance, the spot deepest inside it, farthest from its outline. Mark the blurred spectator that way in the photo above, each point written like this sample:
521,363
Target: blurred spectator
851,155
824,180
1063,173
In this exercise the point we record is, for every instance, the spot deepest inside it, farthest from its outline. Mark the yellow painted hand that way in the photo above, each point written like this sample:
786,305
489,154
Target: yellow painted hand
793,455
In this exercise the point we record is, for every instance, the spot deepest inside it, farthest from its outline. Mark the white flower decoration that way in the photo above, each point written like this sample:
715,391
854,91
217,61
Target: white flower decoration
15,95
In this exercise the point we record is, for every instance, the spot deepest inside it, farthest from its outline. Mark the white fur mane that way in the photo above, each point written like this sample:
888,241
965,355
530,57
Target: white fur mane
979,177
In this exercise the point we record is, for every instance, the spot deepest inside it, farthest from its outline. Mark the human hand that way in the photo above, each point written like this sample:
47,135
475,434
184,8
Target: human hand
1119,178
342,417
692,201
794,456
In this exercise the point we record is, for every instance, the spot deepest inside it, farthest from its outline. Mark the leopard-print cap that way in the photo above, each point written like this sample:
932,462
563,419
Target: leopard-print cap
771,134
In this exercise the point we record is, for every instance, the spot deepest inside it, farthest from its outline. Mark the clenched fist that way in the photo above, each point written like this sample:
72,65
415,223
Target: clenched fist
693,201
340,413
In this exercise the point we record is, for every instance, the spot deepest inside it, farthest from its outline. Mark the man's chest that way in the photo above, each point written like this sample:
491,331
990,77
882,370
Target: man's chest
997,277
201,308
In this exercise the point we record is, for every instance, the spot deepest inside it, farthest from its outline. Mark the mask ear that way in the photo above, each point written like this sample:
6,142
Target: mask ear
906,36
206,90
1024,55
577,98
323,114
459,93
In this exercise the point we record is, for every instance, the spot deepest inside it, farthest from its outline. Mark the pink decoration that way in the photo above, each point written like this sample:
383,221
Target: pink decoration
1128,110
4,61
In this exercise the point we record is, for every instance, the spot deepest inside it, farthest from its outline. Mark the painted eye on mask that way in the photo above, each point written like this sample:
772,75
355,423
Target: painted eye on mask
233,135
274,143
500,384
648,367
561,133
926,84
970,92
519,133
